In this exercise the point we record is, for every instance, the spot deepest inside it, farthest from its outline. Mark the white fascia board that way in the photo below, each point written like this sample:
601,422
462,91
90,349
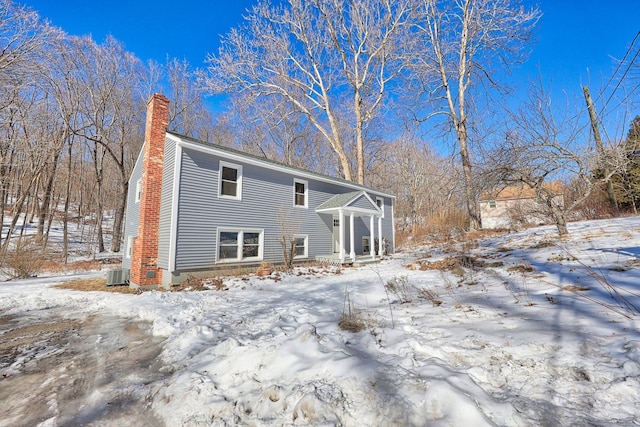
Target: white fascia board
360,211
348,211
281,168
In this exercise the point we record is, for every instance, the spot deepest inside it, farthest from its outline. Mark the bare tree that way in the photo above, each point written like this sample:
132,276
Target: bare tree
465,43
110,111
426,185
548,143
22,36
270,128
188,114
330,60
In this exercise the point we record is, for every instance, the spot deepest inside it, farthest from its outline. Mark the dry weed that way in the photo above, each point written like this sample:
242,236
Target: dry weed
543,244
23,260
429,295
200,284
521,268
96,285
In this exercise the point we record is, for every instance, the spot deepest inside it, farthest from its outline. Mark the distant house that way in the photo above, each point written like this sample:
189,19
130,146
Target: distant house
195,207
516,206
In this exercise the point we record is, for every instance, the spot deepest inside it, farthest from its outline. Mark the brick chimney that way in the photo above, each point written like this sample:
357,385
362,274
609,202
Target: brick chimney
144,258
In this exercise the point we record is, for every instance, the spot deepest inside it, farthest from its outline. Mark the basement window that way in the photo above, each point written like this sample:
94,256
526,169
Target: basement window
301,247
240,245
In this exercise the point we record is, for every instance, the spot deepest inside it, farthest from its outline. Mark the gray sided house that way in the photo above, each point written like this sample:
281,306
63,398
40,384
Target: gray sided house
195,207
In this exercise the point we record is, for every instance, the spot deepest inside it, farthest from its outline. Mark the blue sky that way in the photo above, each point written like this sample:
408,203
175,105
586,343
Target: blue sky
150,29
577,39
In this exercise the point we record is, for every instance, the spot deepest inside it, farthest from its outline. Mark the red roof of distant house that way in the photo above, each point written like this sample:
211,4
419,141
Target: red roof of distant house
520,191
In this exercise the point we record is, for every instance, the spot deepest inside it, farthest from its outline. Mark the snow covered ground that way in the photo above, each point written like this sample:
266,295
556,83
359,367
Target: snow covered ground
531,330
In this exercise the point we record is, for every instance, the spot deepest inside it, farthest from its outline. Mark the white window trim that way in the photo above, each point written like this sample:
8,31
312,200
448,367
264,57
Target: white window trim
241,232
238,195
306,245
306,193
138,190
129,246
381,207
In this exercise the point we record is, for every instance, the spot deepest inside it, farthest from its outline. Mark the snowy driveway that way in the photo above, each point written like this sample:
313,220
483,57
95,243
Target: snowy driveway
60,370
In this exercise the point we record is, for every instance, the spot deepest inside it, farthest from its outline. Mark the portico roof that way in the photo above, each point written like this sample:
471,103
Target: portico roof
356,202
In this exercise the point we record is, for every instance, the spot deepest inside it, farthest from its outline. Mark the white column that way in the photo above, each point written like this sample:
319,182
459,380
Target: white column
380,236
352,252
372,235
341,216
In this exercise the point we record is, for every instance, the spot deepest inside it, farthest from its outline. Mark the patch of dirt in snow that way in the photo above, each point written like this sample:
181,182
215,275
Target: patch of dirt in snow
93,371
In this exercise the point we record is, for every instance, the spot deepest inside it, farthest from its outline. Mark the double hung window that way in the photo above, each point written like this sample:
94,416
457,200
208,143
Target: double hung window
129,246
380,203
230,182
300,190
366,246
138,190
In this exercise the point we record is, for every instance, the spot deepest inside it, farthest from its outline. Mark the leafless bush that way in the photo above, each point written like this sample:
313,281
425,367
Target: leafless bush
400,287
430,295
23,260
288,226
439,227
520,216
596,206
352,319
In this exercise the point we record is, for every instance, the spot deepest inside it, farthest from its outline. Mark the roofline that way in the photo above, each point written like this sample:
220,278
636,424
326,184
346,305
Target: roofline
188,142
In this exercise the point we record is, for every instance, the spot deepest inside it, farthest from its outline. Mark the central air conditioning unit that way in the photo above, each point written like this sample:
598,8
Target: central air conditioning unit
118,277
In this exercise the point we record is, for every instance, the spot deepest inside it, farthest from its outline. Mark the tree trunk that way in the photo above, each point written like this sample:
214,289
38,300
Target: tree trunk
99,231
119,217
65,218
359,139
46,198
561,224
98,158
472,204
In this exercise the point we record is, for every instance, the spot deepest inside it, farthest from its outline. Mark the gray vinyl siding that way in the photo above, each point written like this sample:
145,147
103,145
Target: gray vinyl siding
267,199
133,210
166,204
363,203
197,204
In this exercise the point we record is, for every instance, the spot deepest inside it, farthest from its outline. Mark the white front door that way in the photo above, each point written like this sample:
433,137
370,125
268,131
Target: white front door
336,235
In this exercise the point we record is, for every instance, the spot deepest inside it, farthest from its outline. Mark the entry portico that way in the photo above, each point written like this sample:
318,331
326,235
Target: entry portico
352,205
